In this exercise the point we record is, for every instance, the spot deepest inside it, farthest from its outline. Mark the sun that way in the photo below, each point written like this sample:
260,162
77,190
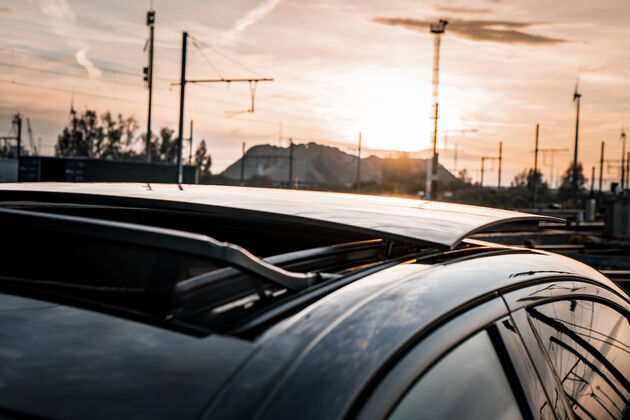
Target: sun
396,114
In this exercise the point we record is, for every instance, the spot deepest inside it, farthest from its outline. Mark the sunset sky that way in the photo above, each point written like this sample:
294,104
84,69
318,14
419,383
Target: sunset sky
340,67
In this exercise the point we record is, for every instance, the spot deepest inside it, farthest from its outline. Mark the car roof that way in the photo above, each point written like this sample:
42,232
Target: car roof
434,223
315,364
311,365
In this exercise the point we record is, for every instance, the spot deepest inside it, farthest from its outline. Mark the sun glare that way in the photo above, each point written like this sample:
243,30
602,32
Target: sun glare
394,114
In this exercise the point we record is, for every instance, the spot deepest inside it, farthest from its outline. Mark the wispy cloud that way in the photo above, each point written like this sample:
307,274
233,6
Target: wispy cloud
5,10
263,9
500,31
63,21
59,10
93,71
461,10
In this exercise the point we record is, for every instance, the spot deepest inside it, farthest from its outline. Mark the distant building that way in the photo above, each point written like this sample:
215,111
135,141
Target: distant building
58,169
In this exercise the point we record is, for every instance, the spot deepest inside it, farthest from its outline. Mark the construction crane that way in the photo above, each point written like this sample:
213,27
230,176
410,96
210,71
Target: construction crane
437,29
31,140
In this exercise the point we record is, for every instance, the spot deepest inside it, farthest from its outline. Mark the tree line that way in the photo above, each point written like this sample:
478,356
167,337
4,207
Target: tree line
116,137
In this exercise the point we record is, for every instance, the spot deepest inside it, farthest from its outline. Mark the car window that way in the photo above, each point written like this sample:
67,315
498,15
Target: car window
468,382
588,345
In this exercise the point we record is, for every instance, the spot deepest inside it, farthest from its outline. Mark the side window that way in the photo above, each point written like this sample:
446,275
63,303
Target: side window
469,382
588,345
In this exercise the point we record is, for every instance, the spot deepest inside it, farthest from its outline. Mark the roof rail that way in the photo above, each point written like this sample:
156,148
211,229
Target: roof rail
189,244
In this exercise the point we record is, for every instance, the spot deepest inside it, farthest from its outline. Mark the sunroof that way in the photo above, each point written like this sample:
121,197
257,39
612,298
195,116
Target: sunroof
172,277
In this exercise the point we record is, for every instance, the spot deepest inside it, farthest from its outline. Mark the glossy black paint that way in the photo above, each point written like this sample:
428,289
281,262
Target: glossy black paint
63,362
379,400
320,363
425,222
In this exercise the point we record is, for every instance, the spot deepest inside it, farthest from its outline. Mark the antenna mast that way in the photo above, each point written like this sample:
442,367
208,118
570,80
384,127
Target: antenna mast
437,29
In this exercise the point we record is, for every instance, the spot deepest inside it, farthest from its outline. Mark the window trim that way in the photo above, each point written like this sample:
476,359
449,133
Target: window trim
521,297
519,301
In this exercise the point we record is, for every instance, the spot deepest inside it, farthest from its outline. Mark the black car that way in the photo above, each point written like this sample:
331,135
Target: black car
166,301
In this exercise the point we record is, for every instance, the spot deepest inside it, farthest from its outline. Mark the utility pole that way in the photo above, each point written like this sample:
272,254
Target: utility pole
290,163
622,137
243,166
182,87
252,86
552,152
500,160
34,149
601,169
592,181
437,29
358,181
493,158
576,98
455,160
190,151
280,135
535,176
17,120
148,77
627,167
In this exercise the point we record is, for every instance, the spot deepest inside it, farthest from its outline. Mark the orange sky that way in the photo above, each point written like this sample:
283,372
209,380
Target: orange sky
340,67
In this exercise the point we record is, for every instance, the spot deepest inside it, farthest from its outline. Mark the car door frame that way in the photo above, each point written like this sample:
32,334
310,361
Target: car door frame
394,384
548,290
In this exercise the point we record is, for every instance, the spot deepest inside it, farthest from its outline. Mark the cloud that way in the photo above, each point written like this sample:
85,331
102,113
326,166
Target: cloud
500,31
93,71
263,9
59,10
462,10
62,22
5,10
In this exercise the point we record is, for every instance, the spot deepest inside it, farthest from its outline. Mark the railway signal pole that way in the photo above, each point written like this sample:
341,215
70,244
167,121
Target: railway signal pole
148,77
180,131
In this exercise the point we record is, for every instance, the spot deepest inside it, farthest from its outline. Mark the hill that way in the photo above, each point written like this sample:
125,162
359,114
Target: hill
319,165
